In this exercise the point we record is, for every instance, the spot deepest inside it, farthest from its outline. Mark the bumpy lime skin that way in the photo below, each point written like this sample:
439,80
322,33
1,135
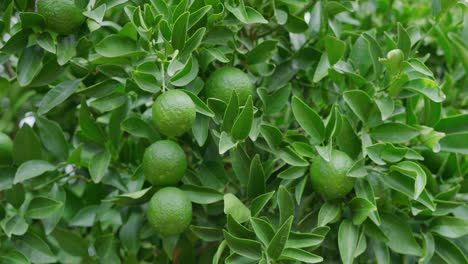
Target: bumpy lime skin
164,163
329,178
170,211
62,16
6,149
174,113
223,81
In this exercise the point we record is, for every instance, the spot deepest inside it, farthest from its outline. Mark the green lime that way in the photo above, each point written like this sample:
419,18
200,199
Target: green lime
170,211
6,149
225,80
329,177
164,163
174,113
62,16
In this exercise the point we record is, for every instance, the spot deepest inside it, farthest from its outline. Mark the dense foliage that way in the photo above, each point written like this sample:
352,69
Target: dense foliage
350,146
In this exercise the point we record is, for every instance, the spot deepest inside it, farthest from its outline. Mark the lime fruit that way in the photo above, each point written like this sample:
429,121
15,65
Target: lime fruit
62,16
329,177
224,81
6,149
173,113
170,211
164,163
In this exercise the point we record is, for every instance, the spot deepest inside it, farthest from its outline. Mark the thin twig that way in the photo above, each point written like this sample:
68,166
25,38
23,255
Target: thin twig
9,70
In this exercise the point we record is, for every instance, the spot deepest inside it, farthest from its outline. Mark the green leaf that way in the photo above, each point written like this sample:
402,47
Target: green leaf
133,198
71,242
292,173
398,231
348,236
17,42
272,135
259,202
146,81
16,225
234,207
256,185
291,157
114,46
179,32
360,103
426,87
31,169
193,42
456,143
245,247
187,74
245,14
415,171
89,126
300,255
208,234
231,112
225,143
26,145
66,49
404,41
335,48
98,165
202,195
285,204
29,65
139,128
278,242
328,213
52,136
460,46
262,52
308,120
14,257
394,132
42,207
263,230
450,227
361,209
307,240
35,248
449,251
58,95
201,107
243,124
453,124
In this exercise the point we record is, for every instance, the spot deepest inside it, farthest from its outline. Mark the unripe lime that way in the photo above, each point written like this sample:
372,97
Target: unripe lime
225,80
170,211
164,163
329,177
395,60
174,113
62,16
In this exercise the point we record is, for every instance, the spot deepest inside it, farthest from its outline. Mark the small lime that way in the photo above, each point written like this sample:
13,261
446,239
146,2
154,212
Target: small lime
174,113
329,177
164,163
170,211
224,81
62,16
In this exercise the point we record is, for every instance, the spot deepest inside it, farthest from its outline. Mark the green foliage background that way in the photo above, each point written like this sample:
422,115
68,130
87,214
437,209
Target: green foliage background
78,108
